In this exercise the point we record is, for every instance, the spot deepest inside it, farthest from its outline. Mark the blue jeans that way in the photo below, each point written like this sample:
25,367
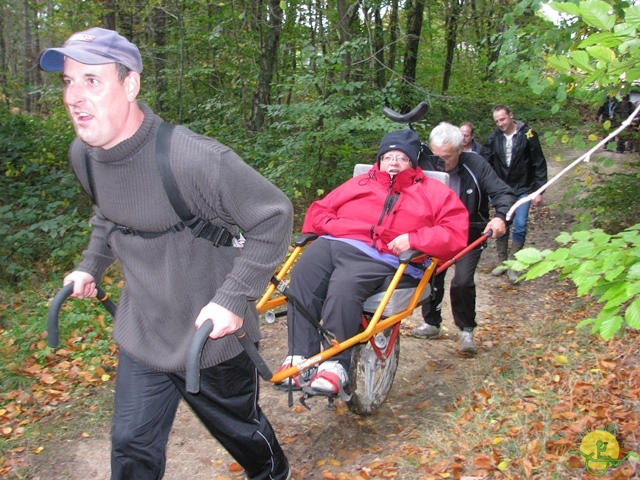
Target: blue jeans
518,223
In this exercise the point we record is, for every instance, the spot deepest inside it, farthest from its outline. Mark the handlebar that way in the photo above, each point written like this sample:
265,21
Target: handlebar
483,238
195,353
53,338
413,116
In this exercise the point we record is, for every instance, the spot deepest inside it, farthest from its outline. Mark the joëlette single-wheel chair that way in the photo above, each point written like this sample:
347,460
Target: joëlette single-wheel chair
375,350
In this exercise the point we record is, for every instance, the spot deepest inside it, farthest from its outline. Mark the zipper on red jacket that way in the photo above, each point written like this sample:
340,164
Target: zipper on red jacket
389,202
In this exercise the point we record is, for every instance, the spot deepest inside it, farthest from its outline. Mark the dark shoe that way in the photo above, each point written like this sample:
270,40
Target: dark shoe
513,276
502,247
467,343
427,331
499,270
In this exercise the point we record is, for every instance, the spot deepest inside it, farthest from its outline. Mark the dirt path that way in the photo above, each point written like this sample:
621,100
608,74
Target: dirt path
431,374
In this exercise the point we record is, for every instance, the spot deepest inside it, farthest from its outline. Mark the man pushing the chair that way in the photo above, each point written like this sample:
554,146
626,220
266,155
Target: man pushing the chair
363,226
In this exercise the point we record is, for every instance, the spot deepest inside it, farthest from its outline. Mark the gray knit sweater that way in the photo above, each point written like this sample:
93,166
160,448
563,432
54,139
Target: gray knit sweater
170,278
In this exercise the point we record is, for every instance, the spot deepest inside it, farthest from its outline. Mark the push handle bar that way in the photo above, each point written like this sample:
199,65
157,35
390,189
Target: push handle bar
413,116
483,238
53,338
195,353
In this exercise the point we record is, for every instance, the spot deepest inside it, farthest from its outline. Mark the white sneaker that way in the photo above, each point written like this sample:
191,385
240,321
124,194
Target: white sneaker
297,381
330,377
427,331
467,343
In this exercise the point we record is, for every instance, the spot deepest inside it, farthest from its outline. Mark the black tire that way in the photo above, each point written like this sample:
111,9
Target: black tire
369,380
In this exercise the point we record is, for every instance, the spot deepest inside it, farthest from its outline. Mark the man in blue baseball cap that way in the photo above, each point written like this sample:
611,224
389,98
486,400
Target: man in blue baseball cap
174,279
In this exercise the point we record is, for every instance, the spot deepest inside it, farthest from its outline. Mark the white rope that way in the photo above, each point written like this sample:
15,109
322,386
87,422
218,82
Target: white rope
584,158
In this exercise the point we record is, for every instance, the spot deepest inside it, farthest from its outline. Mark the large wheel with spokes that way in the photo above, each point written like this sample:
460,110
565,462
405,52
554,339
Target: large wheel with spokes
372,372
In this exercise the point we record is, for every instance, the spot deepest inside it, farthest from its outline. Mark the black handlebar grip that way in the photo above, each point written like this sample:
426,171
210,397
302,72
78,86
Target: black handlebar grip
192,376
53,316
106,301
53,338
194,355
413,116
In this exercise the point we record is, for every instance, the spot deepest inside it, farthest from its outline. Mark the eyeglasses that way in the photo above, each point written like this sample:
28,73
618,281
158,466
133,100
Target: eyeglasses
396,158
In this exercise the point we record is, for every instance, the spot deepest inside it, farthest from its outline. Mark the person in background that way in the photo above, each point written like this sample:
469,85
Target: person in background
174,280
363,226
514,151
469,143
478,186
607,111
623,110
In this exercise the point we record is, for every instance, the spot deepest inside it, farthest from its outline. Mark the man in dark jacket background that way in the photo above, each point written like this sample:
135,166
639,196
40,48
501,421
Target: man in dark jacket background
477,185
513,150
469,143
607,111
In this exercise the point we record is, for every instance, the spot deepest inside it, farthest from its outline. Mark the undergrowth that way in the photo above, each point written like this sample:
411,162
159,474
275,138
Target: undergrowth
37,380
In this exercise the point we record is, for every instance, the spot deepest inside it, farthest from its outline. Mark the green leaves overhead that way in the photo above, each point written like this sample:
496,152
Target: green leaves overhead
598,14
570,8
606,44
580,60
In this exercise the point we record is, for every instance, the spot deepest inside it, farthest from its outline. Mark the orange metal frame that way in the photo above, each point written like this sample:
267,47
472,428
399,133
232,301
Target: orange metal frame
375,326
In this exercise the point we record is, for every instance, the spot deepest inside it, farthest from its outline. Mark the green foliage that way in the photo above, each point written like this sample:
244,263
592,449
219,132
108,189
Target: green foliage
30,145
605,46
605,267
613,204
41,231
42,215
312,146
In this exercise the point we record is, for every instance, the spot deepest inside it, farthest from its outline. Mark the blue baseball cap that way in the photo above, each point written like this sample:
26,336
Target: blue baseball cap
96,46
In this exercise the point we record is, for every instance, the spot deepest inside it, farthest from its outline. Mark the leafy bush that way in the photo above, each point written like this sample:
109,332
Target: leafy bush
605,267
42,213
43,229
615,204
311,147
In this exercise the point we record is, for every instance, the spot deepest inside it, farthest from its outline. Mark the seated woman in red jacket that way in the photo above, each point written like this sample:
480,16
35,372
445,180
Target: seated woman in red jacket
363,226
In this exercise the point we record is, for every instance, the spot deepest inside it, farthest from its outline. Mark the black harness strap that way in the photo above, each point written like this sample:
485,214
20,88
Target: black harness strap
91,187
200,228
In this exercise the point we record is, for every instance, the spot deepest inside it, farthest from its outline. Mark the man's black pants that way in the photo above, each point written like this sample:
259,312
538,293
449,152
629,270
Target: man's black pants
462,294
145,407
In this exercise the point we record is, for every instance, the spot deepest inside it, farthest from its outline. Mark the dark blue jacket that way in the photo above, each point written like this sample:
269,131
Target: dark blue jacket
527,171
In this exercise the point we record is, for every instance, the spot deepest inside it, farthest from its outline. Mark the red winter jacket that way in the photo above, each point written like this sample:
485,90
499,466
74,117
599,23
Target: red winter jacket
374,209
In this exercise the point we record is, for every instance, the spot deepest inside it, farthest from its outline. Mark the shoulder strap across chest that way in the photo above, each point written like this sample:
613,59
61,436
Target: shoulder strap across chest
200,228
